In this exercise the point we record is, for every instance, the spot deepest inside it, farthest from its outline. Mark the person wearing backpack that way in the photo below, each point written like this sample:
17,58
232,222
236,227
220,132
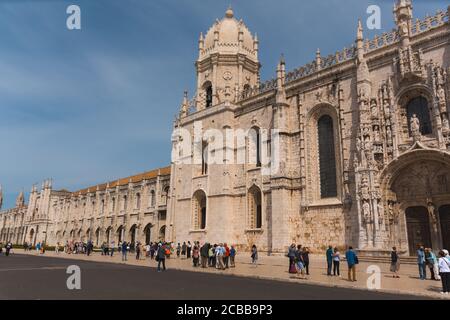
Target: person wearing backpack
352,261
444,272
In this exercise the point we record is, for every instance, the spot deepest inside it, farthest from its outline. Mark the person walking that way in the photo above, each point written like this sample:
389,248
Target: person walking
38,247
124,251
161,257
254,255
395,263
421,262
444,271
291,255
352,261
220,251
329,254
232,257
336,262
305,256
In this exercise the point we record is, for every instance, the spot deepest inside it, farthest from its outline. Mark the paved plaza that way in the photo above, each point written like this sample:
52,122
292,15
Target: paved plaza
32,277
270,269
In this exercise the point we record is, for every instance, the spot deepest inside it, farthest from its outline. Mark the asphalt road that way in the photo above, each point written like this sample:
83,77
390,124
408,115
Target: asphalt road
34,278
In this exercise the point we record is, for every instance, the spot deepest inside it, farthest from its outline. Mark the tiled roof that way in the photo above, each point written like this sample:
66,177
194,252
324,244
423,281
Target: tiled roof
125,181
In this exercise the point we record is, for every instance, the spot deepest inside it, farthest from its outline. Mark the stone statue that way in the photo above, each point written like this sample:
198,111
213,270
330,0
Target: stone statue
415,127
445,125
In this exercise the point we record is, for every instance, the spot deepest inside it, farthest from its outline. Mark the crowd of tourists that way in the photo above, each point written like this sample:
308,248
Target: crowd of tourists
221,256
439,266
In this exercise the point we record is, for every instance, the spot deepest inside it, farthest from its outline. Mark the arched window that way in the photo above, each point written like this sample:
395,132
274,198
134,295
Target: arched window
204,158
152,198
138,200
419,106
103,206
113,204
254,207
125,204
255,146
327,157
166,194
199,210
209,95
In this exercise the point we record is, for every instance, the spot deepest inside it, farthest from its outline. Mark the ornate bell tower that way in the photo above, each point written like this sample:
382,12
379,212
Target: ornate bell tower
227,63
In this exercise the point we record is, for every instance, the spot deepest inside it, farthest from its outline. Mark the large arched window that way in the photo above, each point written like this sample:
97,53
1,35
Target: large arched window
199,210
419,106
327,157
254,207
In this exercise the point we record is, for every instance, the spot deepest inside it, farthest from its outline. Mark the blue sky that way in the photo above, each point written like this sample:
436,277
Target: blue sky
84,107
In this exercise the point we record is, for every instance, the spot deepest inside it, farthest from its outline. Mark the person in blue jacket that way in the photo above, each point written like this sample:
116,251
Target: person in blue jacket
329,255
352,261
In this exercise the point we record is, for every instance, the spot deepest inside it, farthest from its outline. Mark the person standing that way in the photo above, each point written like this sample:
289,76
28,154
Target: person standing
204,250
352,261
232,257
57,248
226,255
178,250
138,250
183,250
38,247
161,257
113,247
444,271
300,267
254,255
211,255
395,263
336,262
195,256
432,263
189,249
305,256
329,254
421,262
8,248
124,251
291,255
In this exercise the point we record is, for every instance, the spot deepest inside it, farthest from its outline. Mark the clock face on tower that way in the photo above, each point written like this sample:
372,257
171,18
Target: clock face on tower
227,75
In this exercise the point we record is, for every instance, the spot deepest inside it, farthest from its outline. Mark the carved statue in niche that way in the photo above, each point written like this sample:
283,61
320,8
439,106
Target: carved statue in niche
415,127
380,208
432,211
389,135
367,221
365,188
376,133
374,110
445,125
403,28
441,98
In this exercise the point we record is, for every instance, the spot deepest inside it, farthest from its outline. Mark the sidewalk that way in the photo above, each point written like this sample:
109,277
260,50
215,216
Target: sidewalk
276,268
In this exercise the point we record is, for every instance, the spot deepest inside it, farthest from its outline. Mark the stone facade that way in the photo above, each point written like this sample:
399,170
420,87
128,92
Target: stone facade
358,146
132,209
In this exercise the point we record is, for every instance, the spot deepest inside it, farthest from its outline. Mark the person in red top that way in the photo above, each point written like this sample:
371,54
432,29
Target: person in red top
226,257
